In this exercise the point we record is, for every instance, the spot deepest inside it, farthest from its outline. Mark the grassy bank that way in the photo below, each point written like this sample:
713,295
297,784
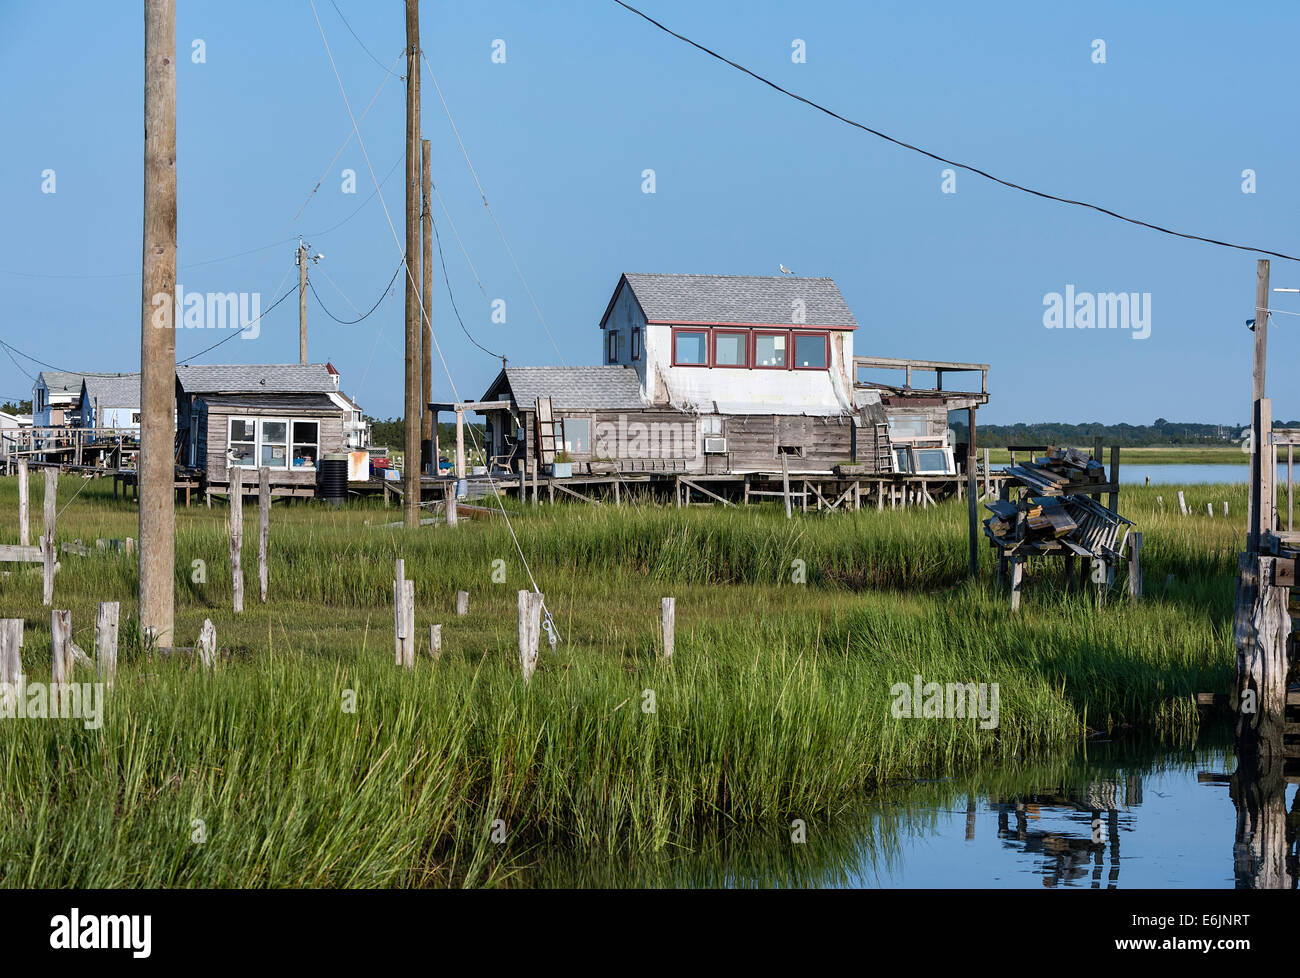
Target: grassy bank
1156,455
777,704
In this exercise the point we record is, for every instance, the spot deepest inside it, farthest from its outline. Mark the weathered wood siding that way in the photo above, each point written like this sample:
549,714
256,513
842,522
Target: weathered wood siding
216,433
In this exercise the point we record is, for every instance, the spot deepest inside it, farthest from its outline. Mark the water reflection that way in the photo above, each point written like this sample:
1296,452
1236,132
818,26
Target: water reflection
1102,816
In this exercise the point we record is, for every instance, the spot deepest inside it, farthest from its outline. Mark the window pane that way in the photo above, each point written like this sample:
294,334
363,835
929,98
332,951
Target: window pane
577,435
241,453
769,350
304,431
909,427
900,460
731,350
810,351
931,460
690,348
711,426
241,430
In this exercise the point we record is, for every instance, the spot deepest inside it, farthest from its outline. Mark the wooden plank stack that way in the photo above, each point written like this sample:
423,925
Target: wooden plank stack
1057,515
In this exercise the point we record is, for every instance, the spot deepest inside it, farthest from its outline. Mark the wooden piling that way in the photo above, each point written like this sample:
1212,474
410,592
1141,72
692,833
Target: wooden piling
263,528
403,617
1261,626
106,641
207,647
24,530
450,495
1135,566
668,613
49,554
1182,503
785,484
530,627
61,646
11,651
462,603
236,494
435,641
1017,581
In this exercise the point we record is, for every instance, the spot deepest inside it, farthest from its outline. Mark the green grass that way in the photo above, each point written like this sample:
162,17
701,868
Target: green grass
1153,455
776,705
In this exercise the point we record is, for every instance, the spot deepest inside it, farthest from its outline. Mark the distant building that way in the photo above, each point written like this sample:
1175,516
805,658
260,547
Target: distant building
56,396
727,374
10,425
109,401
280,416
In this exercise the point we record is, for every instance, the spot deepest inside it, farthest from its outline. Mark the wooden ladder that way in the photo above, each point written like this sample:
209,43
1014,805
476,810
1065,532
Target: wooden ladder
548,430
884,454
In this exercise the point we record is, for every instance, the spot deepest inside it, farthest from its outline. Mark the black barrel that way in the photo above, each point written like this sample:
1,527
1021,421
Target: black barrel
333,480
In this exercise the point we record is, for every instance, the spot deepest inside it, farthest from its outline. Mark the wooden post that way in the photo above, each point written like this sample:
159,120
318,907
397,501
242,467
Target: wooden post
106,641
435,641
668,610
428,461
1290,488
1135,567
1112,500
49,552
530,626
972,517
207,647
1209,509
1017,579
1261,626
450,495
24,530
785,484
61,646
263,528
11,653
462,603
302,301
414,328
399,613
460,443
1262,500
155,467
236,493
1182,503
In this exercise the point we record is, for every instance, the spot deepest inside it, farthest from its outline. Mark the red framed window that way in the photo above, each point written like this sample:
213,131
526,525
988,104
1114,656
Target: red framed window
731,348
611,347
690,347
771,350
812,351
636,344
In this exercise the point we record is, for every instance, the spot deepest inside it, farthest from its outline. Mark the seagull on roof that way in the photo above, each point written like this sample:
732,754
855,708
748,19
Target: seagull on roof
784,270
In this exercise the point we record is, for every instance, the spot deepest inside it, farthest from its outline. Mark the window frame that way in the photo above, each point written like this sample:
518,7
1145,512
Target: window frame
753,349
950,464
564,435
796,335
745,346
636,344
611,346
708,344
259,443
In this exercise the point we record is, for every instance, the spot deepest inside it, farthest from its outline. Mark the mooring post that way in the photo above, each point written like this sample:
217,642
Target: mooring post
24,532
263,528
1135,566
530,626
1261,625
668,614
236,493
106,641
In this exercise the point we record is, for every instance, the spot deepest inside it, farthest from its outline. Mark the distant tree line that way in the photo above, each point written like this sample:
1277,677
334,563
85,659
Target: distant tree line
392,433
1159,432
16,407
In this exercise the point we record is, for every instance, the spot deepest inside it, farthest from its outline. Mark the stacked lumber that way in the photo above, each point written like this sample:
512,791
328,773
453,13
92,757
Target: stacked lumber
1061,471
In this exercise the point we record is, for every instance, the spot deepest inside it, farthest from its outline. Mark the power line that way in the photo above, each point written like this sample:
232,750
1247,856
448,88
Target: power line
28,356
447,278
934,156
497,224
241,328
352,322
354,34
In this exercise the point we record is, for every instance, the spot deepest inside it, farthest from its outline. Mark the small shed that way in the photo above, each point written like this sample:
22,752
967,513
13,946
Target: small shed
109,401
278,416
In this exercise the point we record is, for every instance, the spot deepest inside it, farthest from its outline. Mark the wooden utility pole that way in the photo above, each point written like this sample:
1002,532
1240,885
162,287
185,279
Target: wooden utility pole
158,338
426,327
1260,449
302,302
411,460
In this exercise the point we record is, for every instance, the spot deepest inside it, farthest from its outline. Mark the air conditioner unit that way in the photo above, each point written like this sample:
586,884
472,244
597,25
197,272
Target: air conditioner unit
715,446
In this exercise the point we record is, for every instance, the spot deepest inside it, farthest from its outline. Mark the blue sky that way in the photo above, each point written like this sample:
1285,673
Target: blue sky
1190,95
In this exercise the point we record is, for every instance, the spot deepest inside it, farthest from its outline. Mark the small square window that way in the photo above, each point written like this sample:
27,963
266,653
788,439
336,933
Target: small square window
691,348
769,350
810,351
730,349
611,347
711,425
636,344
577,436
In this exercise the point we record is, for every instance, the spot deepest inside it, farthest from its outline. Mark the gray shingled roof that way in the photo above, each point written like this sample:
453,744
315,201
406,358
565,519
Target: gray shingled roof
766,299
69,382
613,387
285,378
113,390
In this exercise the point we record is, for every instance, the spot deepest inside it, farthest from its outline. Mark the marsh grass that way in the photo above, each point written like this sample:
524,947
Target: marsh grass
777,703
